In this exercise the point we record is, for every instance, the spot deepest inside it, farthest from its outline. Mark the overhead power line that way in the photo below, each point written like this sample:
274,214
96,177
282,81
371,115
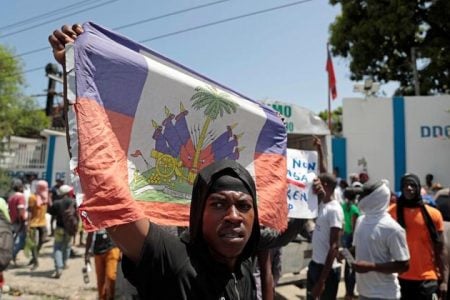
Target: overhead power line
223,21
44,15
183,30
56,19
140,22
170,14
188,29
33,70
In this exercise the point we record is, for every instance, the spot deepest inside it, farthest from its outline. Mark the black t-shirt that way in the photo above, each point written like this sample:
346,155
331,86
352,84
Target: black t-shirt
443,205
172,269
102,242
58,208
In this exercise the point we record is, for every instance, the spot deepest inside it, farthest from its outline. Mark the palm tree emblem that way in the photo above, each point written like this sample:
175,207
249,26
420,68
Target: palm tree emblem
214,103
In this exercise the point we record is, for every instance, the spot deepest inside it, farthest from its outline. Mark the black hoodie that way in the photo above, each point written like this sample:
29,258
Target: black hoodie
174,268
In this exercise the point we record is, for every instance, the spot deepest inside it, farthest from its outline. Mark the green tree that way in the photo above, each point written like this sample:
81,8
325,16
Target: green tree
19,115
5,184
381,38
336,120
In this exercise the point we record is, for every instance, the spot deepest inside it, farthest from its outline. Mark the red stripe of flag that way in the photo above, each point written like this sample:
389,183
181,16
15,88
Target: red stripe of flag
331,76
296,183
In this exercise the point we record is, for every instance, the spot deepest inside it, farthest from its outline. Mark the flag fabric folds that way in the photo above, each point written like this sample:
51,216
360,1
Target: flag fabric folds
331,76
141,126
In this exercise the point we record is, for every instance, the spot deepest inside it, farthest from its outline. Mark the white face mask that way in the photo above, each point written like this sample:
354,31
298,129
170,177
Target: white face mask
376,202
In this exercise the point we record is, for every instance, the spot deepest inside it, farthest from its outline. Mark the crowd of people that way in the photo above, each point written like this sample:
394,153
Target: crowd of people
37,213
397,241
392,247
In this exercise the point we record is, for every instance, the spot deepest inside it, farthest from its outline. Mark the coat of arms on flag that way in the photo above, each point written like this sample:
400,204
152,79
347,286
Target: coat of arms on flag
141,126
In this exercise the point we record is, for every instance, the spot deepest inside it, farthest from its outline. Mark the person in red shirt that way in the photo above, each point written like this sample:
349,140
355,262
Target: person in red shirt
17,213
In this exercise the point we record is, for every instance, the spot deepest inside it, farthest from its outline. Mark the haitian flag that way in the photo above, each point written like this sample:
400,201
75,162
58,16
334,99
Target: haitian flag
141,126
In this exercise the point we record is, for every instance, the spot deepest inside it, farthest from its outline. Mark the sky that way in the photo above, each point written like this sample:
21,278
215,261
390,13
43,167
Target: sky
266,50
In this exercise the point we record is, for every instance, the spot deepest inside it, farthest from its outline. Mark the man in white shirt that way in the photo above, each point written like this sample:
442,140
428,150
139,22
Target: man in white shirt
324,271
380,245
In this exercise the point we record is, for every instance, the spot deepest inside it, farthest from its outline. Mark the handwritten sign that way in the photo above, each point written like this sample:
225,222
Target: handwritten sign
302,168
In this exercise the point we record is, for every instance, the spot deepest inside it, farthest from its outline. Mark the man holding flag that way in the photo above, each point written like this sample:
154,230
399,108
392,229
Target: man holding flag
213,261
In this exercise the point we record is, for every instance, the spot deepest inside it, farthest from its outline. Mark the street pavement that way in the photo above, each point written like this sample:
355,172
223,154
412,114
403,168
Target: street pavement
39,284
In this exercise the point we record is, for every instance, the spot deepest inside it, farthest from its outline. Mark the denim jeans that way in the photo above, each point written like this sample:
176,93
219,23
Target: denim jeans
367,298
19,240
349,273
331,284
61,248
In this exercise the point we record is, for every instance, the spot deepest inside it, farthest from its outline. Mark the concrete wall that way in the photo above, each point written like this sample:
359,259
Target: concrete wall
367,126
390,136
427,124
57,164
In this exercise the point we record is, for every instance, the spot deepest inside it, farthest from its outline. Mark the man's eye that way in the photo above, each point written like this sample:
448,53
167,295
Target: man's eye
217,205
244,206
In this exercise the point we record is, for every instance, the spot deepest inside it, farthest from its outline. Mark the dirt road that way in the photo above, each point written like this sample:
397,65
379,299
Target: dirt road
39,284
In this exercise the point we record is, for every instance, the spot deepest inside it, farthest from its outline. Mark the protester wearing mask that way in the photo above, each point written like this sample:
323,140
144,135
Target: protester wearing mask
37,206
428,272
380,245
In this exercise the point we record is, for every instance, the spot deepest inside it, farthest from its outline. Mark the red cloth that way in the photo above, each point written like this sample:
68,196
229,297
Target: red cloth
331,76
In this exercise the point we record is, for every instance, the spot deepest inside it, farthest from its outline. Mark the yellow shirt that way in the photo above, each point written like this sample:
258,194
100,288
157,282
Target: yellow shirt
37,213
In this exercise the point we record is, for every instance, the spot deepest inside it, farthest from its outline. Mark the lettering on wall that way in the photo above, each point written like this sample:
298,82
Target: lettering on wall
285,111
434,131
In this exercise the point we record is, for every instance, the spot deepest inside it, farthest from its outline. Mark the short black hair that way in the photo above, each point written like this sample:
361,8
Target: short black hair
329,179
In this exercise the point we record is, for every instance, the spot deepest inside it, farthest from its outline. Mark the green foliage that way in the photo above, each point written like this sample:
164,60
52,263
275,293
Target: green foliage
336,120
19,115
5,184
213,102
377,37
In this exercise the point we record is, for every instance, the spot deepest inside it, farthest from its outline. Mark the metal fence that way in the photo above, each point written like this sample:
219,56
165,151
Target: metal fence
22,153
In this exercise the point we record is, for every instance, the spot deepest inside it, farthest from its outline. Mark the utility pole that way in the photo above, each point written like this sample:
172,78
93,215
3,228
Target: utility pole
415,73
51,71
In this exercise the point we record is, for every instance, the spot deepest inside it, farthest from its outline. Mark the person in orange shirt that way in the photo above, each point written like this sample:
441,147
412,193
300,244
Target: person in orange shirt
428,272
107,256
37,206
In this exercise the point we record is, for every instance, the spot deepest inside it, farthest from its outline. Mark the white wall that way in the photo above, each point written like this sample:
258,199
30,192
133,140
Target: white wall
367,127
427,152
59,157
61,160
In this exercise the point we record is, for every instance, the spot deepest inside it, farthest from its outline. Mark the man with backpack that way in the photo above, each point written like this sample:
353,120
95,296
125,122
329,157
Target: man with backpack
66,225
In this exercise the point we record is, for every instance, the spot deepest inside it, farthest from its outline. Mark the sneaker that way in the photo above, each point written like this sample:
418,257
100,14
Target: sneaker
74,254
34,267
31,262
57,274
6,288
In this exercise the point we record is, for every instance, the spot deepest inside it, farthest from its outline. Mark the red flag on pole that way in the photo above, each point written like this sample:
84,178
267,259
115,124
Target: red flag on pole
331,76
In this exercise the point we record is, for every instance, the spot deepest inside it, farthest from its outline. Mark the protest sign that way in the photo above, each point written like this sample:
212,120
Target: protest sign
302,168
141,126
